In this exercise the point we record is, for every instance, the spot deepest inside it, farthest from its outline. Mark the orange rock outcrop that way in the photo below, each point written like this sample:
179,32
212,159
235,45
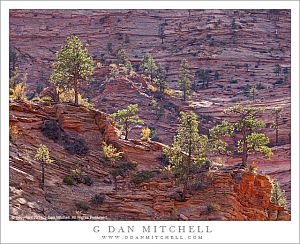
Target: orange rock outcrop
222,195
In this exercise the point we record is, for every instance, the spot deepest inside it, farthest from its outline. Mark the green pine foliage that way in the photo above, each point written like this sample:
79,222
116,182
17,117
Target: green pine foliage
73,66
277,113
161,32
149,66
253,92
277,194
123,59
114,72
160,79
244,128
188,149
185,79
127,118
43,156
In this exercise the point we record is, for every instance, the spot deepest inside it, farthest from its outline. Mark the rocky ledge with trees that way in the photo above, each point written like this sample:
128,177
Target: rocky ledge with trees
80,147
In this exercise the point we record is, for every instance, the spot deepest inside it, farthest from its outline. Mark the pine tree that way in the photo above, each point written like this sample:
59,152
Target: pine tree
216,75
160,79
43,156
244,129
127,118
114,72
188,149
185,79
73,66
277,69
277,195
253,92
277,112
161,32
149,66
123,59
13,60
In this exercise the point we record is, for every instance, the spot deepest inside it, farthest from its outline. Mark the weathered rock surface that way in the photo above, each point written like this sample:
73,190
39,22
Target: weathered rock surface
222,40
246,51
246,197
241,45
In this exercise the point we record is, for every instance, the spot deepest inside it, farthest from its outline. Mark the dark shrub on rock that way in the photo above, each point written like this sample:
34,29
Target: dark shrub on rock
98,199
51,129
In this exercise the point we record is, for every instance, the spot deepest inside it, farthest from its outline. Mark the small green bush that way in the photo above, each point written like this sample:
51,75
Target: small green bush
122,168
98,199
142,176
69,180
127,166
77,146
154,136
163,159
260,86
51,129
82,206
233,81
116,172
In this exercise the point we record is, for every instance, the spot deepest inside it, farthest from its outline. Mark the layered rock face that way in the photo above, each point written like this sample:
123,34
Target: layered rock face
242,46
239,44
218,195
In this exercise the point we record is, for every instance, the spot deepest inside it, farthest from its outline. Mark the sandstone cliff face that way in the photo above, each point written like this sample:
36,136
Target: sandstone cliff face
228,41
209,106
241,45
222,195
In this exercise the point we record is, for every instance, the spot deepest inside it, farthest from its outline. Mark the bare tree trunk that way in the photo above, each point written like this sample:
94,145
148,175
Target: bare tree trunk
115,183
186,185
57,99
277,125
76,91
245,154
126,131
43,175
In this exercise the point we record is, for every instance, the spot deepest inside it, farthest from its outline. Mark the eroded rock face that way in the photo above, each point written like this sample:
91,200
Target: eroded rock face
236,43
242,46
223,195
